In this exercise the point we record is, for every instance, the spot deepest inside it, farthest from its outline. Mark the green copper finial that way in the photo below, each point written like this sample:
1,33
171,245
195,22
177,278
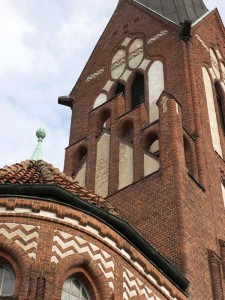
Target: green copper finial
41,134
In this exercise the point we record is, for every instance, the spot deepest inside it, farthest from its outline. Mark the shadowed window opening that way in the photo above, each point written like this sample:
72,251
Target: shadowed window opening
79,159
138,90
82,153
152,144
187,154
154,148
105,120
120,89
127,131
220,101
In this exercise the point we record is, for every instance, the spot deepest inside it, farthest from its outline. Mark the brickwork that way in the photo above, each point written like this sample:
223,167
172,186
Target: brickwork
179,209
75,243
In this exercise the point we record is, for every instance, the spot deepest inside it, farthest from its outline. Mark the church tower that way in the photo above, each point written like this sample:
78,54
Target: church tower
148,131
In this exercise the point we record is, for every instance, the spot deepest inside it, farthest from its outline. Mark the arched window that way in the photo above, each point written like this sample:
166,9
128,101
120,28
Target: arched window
105,120
212,112
103,155
81,155
151,154
138,90
220,102
7,280
80,165
74,289
127,130
152,144
120,89
126,154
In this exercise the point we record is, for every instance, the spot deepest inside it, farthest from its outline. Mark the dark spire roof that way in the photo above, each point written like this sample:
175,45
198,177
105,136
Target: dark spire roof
177,10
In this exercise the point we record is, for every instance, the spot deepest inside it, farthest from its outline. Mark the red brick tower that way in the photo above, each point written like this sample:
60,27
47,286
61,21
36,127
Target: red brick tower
148,127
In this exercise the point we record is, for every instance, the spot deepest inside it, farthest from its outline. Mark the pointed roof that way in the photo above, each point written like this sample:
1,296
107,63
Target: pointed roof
41,172
177,10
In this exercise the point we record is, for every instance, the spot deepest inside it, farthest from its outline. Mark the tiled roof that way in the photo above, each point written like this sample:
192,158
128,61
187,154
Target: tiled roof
40,172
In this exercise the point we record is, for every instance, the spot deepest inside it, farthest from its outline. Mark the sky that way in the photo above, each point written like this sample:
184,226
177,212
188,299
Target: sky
45,45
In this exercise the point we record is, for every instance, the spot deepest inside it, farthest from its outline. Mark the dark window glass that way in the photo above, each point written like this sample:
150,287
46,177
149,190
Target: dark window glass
120,89
220,102
138,90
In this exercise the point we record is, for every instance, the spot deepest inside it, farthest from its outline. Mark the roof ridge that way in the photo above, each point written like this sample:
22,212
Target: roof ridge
44,170
41,172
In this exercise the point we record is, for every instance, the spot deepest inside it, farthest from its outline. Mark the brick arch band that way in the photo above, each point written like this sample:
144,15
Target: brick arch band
21,264
90,273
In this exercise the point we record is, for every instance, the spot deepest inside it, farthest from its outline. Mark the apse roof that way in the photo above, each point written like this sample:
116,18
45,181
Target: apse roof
177,10
41,172
37,178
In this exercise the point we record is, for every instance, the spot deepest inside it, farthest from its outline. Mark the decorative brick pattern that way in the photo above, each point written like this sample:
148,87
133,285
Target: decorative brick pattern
65,244
202,42
26,236
94,75
157,36
133,287
132,55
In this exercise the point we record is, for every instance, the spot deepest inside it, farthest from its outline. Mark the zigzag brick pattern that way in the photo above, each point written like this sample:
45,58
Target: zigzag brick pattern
96,74
65,244
157,37
26,236
133,287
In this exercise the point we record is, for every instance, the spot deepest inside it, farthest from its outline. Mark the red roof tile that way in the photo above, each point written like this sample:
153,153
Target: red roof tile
40,172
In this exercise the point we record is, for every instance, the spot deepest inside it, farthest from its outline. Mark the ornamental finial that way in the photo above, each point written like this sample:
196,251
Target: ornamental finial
41,134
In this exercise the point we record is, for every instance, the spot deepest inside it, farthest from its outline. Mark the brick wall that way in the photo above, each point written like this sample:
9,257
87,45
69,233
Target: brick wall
46,246
179,211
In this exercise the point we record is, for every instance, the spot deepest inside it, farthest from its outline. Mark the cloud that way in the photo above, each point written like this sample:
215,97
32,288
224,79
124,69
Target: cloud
44,47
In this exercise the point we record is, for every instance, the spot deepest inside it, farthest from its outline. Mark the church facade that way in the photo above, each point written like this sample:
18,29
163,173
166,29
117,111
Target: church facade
147,137
60,241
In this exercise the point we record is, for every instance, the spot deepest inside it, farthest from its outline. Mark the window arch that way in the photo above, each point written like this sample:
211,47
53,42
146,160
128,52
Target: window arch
138,90
74,289
220,101
127,130
7,280
211,112
151,153
152,144
81,154
80,165
105,120
126,154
